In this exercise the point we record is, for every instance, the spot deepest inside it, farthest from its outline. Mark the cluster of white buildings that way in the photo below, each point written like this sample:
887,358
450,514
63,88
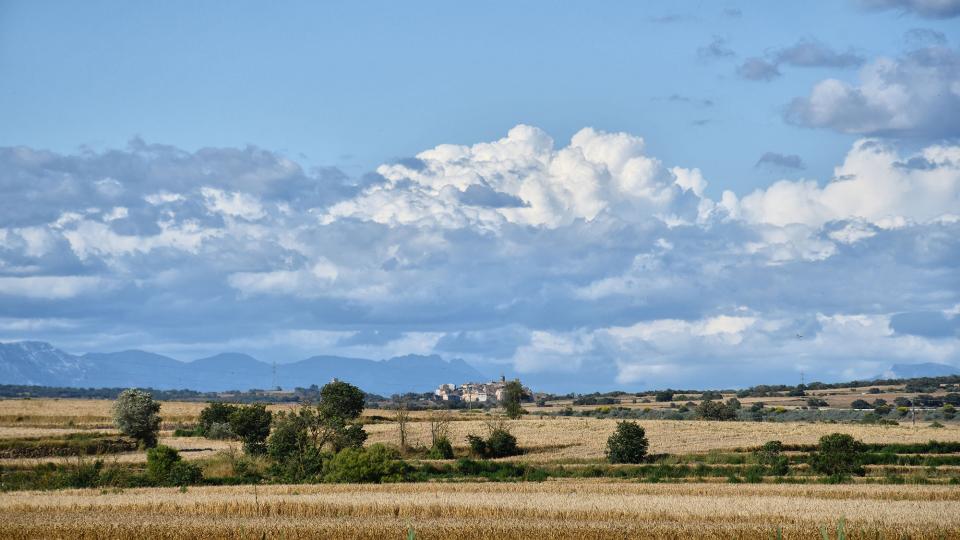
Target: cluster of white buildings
473,392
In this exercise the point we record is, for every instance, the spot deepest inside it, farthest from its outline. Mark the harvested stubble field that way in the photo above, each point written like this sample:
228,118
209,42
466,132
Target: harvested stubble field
547,439
573,439
559,509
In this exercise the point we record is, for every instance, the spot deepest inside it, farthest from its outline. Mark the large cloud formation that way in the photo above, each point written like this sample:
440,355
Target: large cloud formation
579,266
915,95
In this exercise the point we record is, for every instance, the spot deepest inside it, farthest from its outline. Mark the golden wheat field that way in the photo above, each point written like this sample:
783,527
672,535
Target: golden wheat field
556,509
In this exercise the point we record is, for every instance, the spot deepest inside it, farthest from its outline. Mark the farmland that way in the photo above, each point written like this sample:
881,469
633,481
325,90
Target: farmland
702,481
578,509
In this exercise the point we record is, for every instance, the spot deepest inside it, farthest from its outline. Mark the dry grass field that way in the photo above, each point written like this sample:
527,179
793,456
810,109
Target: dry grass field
546,439
572,439
557,509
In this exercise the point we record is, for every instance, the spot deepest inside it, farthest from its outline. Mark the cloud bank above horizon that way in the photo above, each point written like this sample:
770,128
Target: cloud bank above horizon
577,266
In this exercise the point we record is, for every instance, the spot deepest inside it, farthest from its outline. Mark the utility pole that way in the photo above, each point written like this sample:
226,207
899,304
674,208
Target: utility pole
274,374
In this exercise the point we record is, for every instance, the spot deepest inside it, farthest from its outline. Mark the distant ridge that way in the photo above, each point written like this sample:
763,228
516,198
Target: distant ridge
912,371
40,363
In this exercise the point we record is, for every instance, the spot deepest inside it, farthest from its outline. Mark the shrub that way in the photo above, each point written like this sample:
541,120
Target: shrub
441,449
771,457
135,414
220,430
165,467
215,413
664,396
502,443
375,464
252,424
838,455
949,411
478,445
715,410
628,444
860,404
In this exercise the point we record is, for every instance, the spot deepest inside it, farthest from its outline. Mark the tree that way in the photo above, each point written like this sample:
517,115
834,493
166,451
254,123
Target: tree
136,414
838,455
252,424
860,404
333,421
628,444
401,415
715,410
512,395
340,399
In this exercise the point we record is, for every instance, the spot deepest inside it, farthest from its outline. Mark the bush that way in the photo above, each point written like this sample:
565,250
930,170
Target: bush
165,467
441,449
500,443
375,464
215,413
860,404
252,424
135,414
838,455
664,396
715,410
478,445
220,430
770,456
628,444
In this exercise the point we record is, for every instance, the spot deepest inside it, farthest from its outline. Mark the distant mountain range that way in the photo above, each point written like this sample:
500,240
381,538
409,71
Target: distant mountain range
41,364
912,371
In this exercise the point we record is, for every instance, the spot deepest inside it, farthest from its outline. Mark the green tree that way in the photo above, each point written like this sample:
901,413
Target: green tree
252,424
334,422
628,444
512,396
838,455
340,399
136,414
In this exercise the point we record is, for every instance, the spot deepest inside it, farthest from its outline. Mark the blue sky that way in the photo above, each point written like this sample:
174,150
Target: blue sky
641,194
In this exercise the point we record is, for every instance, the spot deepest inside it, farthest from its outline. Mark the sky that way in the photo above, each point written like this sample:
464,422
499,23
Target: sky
626,195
